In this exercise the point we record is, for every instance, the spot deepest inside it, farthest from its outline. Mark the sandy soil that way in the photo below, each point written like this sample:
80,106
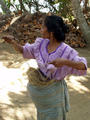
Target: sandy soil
15,104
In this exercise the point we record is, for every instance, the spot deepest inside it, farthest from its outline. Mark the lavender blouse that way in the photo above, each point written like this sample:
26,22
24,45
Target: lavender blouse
38,51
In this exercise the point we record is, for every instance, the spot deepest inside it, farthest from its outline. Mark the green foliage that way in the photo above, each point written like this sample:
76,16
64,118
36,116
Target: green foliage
8,3
63,7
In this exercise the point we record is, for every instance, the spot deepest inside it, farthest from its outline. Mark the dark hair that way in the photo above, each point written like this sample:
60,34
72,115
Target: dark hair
56,25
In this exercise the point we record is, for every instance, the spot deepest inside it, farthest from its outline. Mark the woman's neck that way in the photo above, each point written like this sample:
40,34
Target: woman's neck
53,45
53,42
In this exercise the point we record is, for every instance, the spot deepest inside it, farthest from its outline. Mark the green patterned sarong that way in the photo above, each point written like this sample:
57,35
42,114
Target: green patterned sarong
51,101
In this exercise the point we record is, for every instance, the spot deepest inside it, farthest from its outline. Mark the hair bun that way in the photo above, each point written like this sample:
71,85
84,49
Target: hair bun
65,28
61,23
59,33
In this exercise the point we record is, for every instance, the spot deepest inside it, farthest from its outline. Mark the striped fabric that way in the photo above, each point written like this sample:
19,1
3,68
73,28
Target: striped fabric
52,101
39,52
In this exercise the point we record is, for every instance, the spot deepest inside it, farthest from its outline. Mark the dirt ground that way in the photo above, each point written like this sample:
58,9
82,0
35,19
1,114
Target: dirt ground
15,104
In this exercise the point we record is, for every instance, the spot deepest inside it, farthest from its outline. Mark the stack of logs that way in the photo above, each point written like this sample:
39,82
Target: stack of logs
27,29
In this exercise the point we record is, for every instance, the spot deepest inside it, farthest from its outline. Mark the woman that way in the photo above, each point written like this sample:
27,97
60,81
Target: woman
55,60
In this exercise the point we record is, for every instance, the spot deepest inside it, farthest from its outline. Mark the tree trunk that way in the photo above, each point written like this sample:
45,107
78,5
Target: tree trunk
4,7
81,20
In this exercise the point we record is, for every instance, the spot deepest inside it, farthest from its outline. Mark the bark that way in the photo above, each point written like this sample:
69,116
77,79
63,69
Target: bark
4,7
81,20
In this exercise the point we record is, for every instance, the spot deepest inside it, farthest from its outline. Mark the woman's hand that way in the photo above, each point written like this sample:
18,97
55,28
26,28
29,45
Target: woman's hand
8,38
59,62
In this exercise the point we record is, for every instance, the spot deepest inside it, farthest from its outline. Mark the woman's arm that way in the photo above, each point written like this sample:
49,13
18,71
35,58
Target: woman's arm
17,46
75,65
11,40
61,62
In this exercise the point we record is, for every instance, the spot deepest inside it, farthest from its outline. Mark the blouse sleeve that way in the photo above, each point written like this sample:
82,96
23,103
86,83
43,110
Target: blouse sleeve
30,49
80,72
75,57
